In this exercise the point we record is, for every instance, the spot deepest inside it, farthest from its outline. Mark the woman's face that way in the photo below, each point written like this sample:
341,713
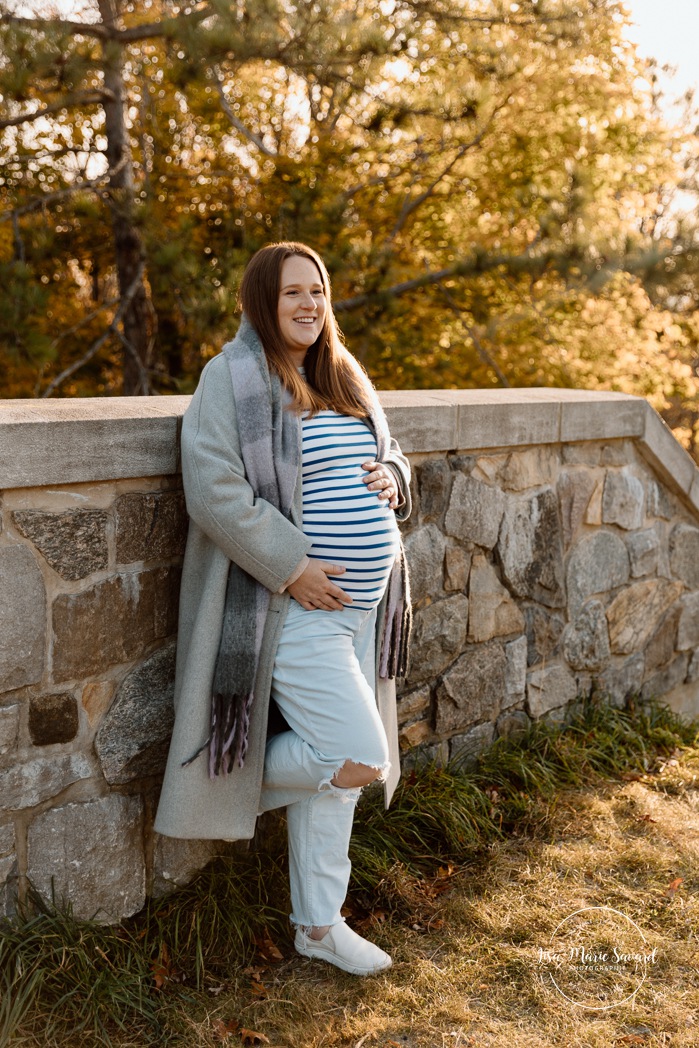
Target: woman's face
302,306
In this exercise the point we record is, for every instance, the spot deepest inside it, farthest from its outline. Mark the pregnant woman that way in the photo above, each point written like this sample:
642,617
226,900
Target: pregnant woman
294,603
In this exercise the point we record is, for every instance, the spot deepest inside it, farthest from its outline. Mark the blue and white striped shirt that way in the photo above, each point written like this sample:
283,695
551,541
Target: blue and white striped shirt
349,525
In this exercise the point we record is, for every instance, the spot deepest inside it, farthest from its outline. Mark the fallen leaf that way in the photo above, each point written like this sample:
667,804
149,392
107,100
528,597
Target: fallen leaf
673,886
252,1036
645,818
258,988
267,949
161,968
223,1031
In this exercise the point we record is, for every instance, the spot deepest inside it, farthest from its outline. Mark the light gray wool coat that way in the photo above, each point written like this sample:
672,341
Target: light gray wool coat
228,523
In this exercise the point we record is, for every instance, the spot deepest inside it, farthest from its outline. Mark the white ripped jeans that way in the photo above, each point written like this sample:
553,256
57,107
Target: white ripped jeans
323,683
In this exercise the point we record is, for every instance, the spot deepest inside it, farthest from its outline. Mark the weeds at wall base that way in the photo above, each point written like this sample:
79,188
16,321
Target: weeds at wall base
65,982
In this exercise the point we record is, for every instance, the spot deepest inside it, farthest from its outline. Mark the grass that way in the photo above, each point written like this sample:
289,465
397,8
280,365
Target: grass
463,880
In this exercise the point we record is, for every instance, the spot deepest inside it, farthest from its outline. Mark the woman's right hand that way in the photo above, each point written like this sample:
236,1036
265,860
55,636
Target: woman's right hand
313,589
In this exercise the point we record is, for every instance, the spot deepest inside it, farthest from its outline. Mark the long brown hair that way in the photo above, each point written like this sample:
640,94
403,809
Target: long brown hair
334,379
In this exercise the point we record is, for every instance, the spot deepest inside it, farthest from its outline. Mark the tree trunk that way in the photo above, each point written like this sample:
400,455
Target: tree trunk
128,244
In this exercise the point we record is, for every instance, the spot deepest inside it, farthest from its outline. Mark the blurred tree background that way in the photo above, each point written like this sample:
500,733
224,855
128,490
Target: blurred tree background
494,186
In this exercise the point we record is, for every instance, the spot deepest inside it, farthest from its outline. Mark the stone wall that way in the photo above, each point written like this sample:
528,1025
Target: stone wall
554,551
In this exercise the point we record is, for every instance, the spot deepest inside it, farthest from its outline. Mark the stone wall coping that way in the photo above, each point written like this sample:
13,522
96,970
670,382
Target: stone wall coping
82,440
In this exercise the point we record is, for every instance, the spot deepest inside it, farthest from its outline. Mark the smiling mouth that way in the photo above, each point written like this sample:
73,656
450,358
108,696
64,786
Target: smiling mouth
305,320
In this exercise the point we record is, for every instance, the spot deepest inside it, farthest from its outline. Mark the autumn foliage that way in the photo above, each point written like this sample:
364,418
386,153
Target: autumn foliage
493,185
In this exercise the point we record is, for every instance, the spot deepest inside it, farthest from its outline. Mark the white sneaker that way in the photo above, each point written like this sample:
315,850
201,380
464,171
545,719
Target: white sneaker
345,949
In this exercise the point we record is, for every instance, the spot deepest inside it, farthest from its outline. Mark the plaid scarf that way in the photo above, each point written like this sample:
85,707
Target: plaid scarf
270,441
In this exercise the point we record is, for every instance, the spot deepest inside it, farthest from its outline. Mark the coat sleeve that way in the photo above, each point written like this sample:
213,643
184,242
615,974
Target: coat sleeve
249,530
399,465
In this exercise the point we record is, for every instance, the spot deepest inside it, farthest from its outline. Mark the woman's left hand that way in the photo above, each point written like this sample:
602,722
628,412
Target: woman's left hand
382,480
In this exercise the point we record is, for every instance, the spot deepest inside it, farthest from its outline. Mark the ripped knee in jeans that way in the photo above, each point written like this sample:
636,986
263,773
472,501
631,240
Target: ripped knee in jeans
352,775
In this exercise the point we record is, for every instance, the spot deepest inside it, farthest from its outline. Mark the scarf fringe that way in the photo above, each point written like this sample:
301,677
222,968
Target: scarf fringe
228,742
398,621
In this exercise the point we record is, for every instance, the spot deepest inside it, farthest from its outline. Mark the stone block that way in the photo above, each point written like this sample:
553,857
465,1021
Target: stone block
53,719
688,628
81,439
113,622
467,747
414,735
574,489
661,646
593,513
492,611
472,691
489,467
97,698
693,668
662,531
423,420
617,453
623,500
457,565
9,728
175,862
684,700
543,631
586,640
598,564
133,738
644,548
658,502
439,636
684,554
497,418
531,550
634,614
434,479
22,618
531,468
30,782
511,724
549,688
413,704
669,458
73,542
611,416
436,753
91,855
150,526
424,549
8,871
475,511
667,679
584,454
620,682
515,672
7,840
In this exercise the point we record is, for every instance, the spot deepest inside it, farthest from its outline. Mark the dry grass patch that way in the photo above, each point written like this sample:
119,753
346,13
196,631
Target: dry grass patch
464,883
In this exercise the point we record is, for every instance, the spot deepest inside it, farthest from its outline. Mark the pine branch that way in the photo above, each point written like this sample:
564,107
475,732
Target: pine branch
411,203
59,194
238,124
87,98
166,27
96,29
98,343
